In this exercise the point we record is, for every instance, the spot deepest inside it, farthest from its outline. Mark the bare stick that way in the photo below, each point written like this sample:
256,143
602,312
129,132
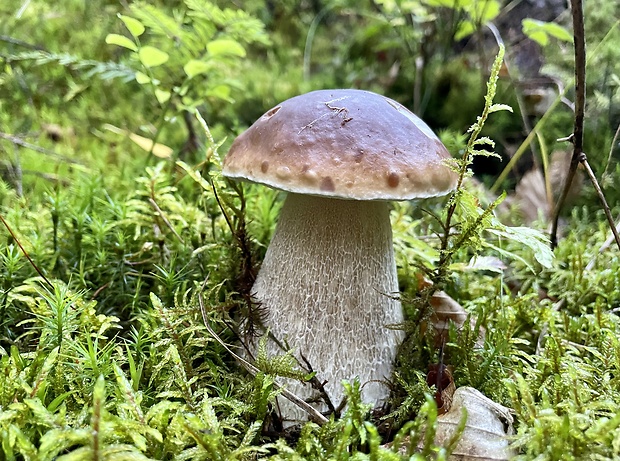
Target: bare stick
601,196
603,247
162,215
611,150
20,142
16,41
577,137
580,97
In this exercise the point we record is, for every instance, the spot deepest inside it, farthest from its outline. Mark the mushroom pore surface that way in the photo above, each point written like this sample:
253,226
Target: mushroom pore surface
327,284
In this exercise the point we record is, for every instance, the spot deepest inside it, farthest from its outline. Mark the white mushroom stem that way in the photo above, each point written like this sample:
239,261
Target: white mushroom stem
328,284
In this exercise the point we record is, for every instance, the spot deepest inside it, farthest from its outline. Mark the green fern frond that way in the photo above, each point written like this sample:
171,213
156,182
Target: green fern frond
88,68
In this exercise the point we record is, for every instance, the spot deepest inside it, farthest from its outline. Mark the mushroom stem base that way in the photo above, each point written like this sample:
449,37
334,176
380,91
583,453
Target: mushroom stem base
328,285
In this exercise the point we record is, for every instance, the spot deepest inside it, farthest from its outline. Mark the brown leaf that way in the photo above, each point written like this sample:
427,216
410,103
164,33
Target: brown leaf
485,435
530,196
157,149
446,310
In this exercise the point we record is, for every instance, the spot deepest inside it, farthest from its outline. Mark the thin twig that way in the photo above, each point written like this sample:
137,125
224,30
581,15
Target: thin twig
314,414
162,215
579,40
601,197
603,247
36,268
611,150
18,42
47,176
577,137
20,142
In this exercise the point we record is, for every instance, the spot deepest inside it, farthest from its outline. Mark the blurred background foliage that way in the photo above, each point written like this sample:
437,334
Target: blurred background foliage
111,183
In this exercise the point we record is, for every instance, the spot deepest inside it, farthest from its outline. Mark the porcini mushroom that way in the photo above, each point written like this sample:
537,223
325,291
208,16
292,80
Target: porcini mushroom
328,282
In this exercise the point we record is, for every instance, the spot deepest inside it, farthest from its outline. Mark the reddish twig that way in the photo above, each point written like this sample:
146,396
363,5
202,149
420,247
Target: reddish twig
6,224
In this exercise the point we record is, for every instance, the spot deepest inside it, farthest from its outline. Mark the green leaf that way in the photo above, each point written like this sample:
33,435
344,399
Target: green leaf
56,441
121,40
21,442
484,141
128,393
465,29
509,254
54,404
225,46
159,413
162,96
42,415
135,27
453,4
152,57
538,36
220,92
557,31
499,107
197,177
540,31
535,240
142,78
195,67
483,11
99,391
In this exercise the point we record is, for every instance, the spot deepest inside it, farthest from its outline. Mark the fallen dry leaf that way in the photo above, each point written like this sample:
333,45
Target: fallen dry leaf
486,430
530,196
157,149
446,310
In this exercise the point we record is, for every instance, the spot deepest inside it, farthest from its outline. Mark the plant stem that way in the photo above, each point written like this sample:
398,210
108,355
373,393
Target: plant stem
475,130
611,151
6,224
580,91
601,197
577,136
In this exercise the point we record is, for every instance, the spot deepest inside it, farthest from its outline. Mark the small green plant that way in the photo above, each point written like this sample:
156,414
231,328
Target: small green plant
463,206
187,61
467,229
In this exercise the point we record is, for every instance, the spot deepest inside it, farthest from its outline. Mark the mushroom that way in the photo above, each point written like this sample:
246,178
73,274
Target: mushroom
328,283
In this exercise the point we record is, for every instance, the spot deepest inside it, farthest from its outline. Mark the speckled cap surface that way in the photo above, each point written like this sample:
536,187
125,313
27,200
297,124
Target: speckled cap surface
349,144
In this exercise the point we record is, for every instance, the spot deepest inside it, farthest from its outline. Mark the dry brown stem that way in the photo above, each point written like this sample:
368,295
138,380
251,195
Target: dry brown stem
577,137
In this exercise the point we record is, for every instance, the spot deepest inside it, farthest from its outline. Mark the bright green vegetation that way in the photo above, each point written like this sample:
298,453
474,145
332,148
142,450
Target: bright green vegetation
106,353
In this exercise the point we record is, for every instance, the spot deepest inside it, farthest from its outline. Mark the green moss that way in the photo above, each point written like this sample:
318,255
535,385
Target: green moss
105,354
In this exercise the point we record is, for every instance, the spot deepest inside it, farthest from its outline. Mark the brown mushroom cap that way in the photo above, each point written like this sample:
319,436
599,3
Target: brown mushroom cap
349,144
